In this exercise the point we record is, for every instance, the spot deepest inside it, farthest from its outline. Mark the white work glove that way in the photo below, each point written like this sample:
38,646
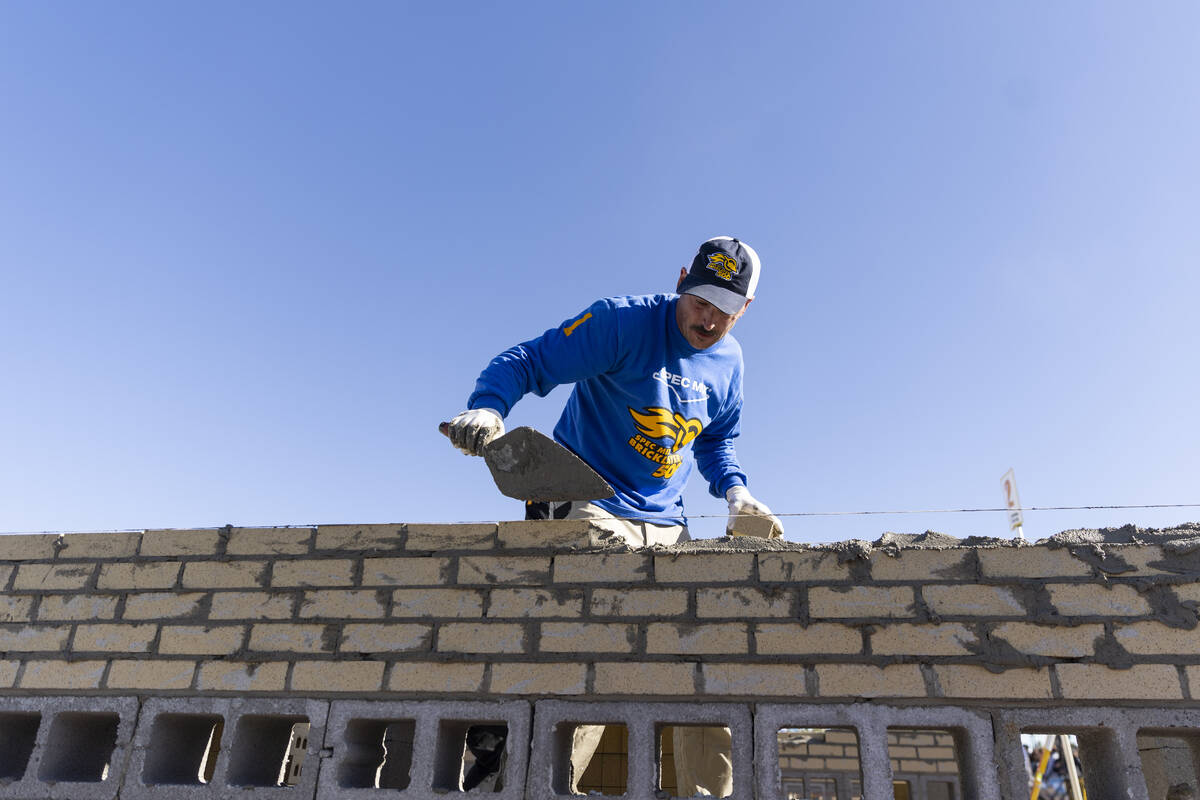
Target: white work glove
471,430
748,514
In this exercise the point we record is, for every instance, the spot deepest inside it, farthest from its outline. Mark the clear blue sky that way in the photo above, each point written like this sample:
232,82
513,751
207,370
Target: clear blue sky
252,253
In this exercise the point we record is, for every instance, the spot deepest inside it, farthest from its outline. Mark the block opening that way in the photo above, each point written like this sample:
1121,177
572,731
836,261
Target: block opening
1059,759
470,755
79,747
183,749
268,750
18,735
583,751
925,763
694,760
1170,761
379,754
819,764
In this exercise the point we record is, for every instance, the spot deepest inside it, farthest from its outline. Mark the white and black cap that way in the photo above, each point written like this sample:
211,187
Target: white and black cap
724,272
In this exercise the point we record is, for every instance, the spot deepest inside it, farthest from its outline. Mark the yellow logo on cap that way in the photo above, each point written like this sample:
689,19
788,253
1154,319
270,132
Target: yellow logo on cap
723,265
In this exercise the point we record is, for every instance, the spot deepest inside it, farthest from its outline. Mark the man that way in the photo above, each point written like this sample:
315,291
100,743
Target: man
657,379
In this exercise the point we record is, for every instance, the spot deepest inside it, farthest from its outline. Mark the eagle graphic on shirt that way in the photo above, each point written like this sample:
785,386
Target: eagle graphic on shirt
662,423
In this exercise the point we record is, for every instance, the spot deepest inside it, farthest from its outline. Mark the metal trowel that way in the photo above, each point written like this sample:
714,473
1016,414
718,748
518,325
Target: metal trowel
528,465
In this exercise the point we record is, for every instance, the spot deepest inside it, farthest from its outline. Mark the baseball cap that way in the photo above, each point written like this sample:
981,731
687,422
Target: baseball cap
724,272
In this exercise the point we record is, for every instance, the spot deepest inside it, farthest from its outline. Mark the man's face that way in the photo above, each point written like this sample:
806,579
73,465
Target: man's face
702,323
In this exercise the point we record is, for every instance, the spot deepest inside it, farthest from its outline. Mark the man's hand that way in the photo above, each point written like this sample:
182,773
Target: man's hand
749,517
471,430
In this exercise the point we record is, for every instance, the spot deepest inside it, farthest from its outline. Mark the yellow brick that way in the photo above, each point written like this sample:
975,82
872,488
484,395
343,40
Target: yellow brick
359,538
739,602
703,567
52,577
230,676
458,603
1091,600
27,547
645,678
224,575
1034,561
533,570
189,542
252,605
115,638
155,575
799,567
31,638
1098,682
283,637
655,603
1060,641
844,602
405,571
409,676
451,537
1146,559
62,674
100,545
551,533
268,541
8,673
922,565
16,609
151,674
1187,592
342,603
946,639
602,568
337,676
973,680
201,639
539,679
535,603
1154,638
81,606
972,600
481,637
314,572
754,680
685,638
385,638
162,605
791,638
866,680
587,637
1193,679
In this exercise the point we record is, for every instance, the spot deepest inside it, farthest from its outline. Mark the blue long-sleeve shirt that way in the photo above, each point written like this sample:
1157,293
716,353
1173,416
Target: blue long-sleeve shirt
644,401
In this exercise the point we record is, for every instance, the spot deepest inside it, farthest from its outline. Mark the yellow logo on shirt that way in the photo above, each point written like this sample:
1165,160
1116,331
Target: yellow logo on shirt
723,265
662,423
567,331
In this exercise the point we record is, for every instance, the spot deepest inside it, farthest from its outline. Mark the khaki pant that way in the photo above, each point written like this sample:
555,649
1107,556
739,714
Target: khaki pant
703,758
635,532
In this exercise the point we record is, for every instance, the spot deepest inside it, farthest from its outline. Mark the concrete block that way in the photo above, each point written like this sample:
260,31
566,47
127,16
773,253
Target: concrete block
657,603
342,604
1098,682
33,638
753,681
158,605
406,571
270,637
703,567
1154,638
1059,641
478,637
632,677
487,570
435,677
337,676
923,565
252,605
819,638
52,577
530,602
740,602
1092,600
585,638
313,572
201,639
62,674
15,608
867,680
152,575
946,639
174,543
27,547
224,574
360,538
620,568
269,541
973,680
801,567
233,676
456,603
441,538
99,545
1033,561
972,600
863,602
114,638
686,638
385,638
538,679
143,676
